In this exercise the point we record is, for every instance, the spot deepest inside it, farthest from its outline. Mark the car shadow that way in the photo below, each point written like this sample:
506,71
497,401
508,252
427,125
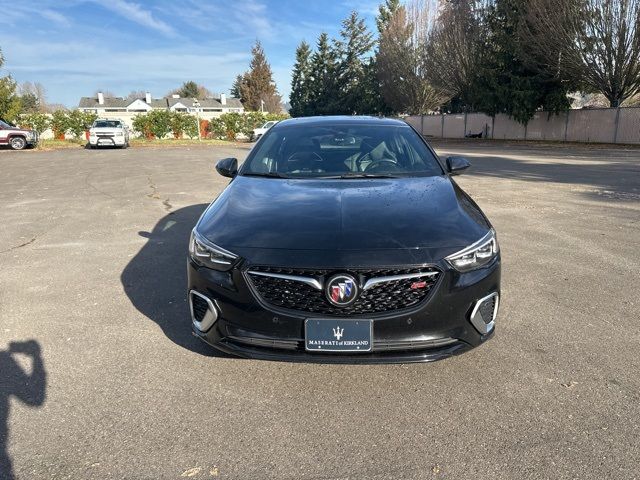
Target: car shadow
28,388
155,280
612,173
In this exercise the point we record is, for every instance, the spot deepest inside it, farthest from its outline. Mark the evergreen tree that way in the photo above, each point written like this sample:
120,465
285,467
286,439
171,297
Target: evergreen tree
29,103
236,88
189,90
508,84
9,102
258,85
372,100
385,12
355,44
300,81
323,91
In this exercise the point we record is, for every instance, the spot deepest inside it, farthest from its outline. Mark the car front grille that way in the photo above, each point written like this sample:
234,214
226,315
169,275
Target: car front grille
487,309
199,307
394,293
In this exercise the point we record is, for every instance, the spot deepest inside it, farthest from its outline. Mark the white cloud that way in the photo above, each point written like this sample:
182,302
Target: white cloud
364,7
17,14
253,15
135,13
70,71
55,17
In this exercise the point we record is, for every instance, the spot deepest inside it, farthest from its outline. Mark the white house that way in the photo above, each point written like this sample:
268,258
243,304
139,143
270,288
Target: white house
208,107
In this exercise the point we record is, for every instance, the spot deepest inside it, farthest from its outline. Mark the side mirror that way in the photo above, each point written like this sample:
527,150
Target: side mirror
227,167
457,165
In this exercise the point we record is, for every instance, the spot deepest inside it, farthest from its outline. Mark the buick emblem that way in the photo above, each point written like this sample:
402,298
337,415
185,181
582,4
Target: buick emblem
341,290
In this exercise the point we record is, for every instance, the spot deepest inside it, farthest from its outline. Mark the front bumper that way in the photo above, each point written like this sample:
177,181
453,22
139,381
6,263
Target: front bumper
96,141
438,327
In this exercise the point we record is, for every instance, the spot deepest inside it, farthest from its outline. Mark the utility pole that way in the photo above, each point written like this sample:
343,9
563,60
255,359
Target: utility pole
196,106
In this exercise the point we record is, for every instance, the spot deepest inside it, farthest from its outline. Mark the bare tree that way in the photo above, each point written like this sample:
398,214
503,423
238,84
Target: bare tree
106,93
454,50
37,92
402,69
596,42
134,94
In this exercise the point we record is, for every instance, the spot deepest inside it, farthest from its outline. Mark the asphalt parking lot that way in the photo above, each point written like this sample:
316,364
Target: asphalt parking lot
92,268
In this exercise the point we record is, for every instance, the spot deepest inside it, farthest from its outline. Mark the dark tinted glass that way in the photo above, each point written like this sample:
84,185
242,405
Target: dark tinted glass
107,124
302,151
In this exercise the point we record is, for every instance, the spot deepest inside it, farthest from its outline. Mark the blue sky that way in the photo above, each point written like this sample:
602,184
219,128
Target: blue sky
74,47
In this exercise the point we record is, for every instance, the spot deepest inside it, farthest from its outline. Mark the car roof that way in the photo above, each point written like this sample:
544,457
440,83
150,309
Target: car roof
341,120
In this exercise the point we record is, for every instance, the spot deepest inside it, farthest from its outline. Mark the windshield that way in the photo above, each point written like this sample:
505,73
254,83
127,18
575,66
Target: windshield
107,124
349,150
4,125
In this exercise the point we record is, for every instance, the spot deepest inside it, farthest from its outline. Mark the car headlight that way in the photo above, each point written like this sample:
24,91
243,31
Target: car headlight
30,135
476,255
209,255
119,134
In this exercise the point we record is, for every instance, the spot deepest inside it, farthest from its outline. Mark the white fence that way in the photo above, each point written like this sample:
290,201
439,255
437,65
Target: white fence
606,125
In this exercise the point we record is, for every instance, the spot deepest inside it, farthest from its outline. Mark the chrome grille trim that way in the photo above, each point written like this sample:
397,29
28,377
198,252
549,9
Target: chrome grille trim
302,290
382,345
265,342
372,282
313,282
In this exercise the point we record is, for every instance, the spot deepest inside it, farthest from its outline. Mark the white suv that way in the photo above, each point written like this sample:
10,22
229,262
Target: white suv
108,133
258,132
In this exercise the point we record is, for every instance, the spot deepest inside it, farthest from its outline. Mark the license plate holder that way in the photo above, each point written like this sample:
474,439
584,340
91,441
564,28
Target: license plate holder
338,335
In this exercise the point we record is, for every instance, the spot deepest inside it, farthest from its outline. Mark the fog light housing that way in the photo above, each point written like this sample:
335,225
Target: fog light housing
484,313
204,313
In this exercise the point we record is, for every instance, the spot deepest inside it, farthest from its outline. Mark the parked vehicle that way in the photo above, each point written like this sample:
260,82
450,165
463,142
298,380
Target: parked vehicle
108,133
258,132
343,239
17,138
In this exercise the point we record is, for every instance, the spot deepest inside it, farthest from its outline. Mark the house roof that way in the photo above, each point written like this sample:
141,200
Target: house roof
206,102
109,102
119,102
157,102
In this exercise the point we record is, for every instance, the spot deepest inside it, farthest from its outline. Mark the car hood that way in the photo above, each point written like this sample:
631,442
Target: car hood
18,129
361,214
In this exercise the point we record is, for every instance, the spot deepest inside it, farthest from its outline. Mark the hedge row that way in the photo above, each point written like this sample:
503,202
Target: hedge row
229,126
61,122
160,123
154,124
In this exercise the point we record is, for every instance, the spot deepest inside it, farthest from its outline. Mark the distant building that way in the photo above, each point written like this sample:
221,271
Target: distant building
208,107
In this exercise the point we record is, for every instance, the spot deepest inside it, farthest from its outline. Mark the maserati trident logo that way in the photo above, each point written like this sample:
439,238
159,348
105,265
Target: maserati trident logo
337,332
341,290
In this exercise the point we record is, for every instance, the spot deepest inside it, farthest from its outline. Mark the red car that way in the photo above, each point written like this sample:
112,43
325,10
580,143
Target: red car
17,138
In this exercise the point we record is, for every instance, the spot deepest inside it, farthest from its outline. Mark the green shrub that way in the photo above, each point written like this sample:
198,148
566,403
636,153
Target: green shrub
183,124
78,122
156,123
229,125
35,121
59,124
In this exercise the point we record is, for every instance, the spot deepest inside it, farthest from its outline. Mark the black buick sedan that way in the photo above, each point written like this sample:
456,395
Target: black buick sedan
343,239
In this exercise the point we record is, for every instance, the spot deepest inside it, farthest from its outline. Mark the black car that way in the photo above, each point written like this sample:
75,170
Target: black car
343,239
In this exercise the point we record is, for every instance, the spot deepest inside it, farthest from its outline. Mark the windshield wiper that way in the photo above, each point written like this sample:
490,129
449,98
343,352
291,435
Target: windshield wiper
264,174
367,175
